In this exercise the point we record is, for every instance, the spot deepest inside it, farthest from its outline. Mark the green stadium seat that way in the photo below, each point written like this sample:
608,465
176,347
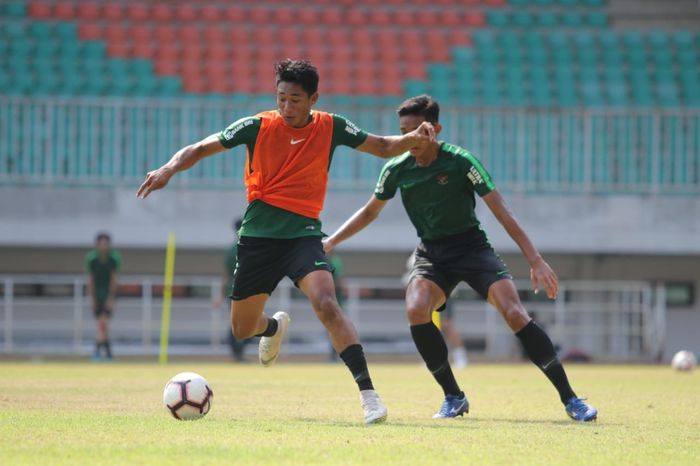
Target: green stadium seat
463,56
683,39
15,10
688,58
544,3
497,19
597,20
594,3
41,30
572,19
547,19
66,31
523,19
94,49
569,3
633,39
15,30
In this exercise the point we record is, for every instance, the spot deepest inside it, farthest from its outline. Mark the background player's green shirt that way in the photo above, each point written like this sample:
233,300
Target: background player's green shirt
264,220
102,271
439,198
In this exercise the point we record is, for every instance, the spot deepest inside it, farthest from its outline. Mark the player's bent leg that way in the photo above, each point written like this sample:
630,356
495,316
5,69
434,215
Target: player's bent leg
320,289
504,297
539,347
247,317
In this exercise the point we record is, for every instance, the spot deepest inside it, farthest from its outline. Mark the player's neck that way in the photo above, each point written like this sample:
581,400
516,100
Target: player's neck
429,156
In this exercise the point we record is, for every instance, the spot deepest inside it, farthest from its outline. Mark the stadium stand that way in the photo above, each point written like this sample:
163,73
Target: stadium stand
540,53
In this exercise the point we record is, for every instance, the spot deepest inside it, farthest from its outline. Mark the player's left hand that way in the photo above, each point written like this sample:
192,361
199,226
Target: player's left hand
541,274
424,134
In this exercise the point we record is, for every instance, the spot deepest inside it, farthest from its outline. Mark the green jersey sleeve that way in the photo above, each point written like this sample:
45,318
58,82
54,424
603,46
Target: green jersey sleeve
477,175
243,131
346,133
386,185
117,258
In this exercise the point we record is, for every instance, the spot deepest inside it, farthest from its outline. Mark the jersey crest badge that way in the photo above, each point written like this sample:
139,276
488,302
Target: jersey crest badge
442,180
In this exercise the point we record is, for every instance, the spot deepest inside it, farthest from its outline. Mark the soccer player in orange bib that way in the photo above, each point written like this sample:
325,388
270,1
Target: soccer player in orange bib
286,175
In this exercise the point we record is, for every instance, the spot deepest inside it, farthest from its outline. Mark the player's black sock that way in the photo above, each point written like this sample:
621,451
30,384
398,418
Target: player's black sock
271,328
354,358
108,349
541,351
431,346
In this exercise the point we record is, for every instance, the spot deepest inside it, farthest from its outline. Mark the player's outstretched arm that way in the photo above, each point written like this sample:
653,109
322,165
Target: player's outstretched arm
389,146
354,224
182,160
541,273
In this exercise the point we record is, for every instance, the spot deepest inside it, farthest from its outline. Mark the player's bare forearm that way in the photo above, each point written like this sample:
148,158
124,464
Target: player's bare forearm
505,217
390,146
356,223
182,160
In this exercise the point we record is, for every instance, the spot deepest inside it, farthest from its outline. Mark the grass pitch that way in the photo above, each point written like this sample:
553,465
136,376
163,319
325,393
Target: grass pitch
82,413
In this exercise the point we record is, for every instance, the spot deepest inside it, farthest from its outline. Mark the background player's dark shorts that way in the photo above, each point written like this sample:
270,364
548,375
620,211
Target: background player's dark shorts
263,262
101,309
464,257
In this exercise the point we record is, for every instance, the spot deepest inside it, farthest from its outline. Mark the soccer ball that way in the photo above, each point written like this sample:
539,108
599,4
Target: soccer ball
683,361
187,396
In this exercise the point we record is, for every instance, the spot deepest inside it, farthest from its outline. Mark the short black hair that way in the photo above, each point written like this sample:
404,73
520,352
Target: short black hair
421,105
302,72
103,235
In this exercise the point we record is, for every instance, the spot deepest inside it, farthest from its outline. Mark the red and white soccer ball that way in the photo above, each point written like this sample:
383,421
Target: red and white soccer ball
188,396
683,361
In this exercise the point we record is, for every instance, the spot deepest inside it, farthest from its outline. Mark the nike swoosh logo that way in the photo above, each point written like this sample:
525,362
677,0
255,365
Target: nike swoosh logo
319,263
297,141
502,272
458,408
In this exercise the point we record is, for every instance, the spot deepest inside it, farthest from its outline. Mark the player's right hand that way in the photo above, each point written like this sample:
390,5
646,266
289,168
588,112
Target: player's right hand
155,180
425,133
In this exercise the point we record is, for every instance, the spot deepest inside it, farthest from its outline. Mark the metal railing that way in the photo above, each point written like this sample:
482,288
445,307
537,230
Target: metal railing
621,321
111,142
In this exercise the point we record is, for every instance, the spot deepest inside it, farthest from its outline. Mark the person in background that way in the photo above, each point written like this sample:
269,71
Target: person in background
102,265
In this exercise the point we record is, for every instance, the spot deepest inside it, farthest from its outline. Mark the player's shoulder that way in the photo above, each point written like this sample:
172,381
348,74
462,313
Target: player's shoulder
91,255
399,161
115,255
458,152
343,123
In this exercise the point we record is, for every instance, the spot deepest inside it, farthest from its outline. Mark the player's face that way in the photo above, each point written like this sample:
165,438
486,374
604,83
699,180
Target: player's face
294,103
408,123
103,246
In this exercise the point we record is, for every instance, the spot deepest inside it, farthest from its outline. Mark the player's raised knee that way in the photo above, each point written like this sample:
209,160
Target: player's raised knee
327,308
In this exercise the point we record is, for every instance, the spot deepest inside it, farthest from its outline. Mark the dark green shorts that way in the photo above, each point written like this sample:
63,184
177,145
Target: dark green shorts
264,262
101,309
464,257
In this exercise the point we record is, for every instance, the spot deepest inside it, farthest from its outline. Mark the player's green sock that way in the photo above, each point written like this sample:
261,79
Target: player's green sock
541,351
431,346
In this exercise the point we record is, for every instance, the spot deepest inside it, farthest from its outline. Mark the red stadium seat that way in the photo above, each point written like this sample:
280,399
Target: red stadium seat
283,16
494,2
308,15
64,10
41,10
404,17
189,34
166,67
187,12
380,17
165,34
460,36
90,31
115,32
137,12
451,17
332,17
214,35
427,17
144,50
211,13
260,15
113,11
475,19
239,36
141,33
162,12
217,52
89,11
235,14
119,49
169,52
362,38
356,17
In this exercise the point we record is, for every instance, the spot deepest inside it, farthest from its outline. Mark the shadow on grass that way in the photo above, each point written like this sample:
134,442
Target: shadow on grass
460,423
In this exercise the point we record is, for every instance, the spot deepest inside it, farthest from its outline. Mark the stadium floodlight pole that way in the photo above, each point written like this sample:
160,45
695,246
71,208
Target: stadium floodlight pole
167,298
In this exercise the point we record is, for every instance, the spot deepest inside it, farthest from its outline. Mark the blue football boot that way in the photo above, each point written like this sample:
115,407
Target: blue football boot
453,406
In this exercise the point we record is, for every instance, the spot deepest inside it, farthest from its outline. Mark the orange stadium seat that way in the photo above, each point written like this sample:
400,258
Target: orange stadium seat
235,14
308,15
115,32
475,19
141,33
144,50
380,17
332,17
260,15
404,17
166,67
211,13
283,16
213,35
119,49
165,34
356,17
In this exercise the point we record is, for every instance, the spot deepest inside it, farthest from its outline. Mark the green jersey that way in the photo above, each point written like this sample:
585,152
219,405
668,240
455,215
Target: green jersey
101,271
263,220
439,199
